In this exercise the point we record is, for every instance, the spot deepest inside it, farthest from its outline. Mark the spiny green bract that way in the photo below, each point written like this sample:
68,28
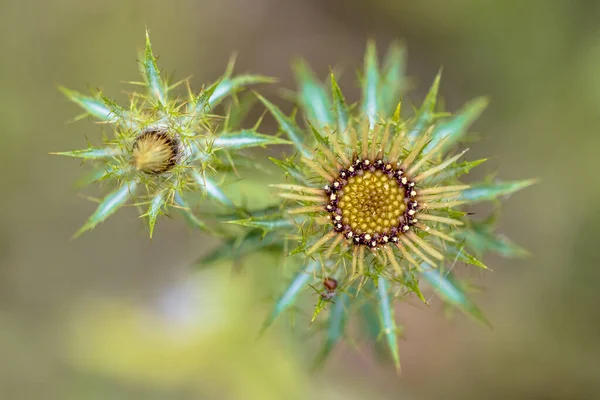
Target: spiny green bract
164,146
376,267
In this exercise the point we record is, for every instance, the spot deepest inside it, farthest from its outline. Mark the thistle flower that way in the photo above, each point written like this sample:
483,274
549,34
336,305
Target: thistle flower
374,200
164,147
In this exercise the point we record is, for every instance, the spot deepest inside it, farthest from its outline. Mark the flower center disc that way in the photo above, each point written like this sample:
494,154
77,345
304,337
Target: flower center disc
155,151
372,203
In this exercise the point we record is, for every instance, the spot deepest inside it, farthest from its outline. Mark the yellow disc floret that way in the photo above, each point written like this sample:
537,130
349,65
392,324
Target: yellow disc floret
372,203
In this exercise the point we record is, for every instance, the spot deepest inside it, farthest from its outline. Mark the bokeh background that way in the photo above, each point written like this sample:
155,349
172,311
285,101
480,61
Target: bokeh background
113,315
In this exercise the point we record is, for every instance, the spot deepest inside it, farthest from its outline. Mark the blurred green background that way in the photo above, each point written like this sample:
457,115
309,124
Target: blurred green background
113,315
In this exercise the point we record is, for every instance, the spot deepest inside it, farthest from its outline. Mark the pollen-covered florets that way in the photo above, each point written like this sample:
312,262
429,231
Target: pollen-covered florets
165,146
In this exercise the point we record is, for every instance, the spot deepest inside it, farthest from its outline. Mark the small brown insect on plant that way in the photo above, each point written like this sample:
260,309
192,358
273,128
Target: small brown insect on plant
330,285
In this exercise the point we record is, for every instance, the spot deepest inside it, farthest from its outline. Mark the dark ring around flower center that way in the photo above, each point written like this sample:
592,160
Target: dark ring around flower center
335,192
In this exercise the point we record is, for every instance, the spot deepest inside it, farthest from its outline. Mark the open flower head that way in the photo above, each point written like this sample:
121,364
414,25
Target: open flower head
376,201
164,146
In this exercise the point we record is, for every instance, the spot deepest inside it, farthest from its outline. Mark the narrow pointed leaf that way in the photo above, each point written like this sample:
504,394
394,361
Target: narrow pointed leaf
491,191
460,254
336,327
426,113
287,125
190,217
313,97
393,80
93,106
91,153
265,224
457,126
151,74
201,104
370,85
481,239
234,249
320,138
288,298
109,205
228,86
455,171
340,109
244,139
155,208
450,290
290,169
212,189
388,324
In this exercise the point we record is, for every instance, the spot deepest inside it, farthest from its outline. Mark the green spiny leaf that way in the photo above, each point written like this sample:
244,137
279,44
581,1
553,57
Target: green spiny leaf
287,125
457,126
455,171
265,224
320,138
91,153
335,330
234,248
155,208
370,85
228,86
340,108
109,205
491,191
426,113
290,169
190,217
156,87
313,97
388,324
288,297
480,238
393,81
91,105
201,104
460,254
451,291
244,139
212,189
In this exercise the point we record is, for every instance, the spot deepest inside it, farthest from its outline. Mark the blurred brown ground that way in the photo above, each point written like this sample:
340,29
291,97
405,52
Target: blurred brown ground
539,61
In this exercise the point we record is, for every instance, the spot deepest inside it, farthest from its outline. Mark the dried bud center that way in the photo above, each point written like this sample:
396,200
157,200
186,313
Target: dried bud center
372,203
155,151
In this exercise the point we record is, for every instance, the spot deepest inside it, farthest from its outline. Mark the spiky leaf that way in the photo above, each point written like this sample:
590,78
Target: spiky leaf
156,205
109,205
388,323
460,254
287,125
338,317
156,87
211,189
91,153
190,217
340,109
393,81
244,139
491,191
481,238
228,86
93,106
234,248
450,290
289,296
426,113
456,127
370,85
313,97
